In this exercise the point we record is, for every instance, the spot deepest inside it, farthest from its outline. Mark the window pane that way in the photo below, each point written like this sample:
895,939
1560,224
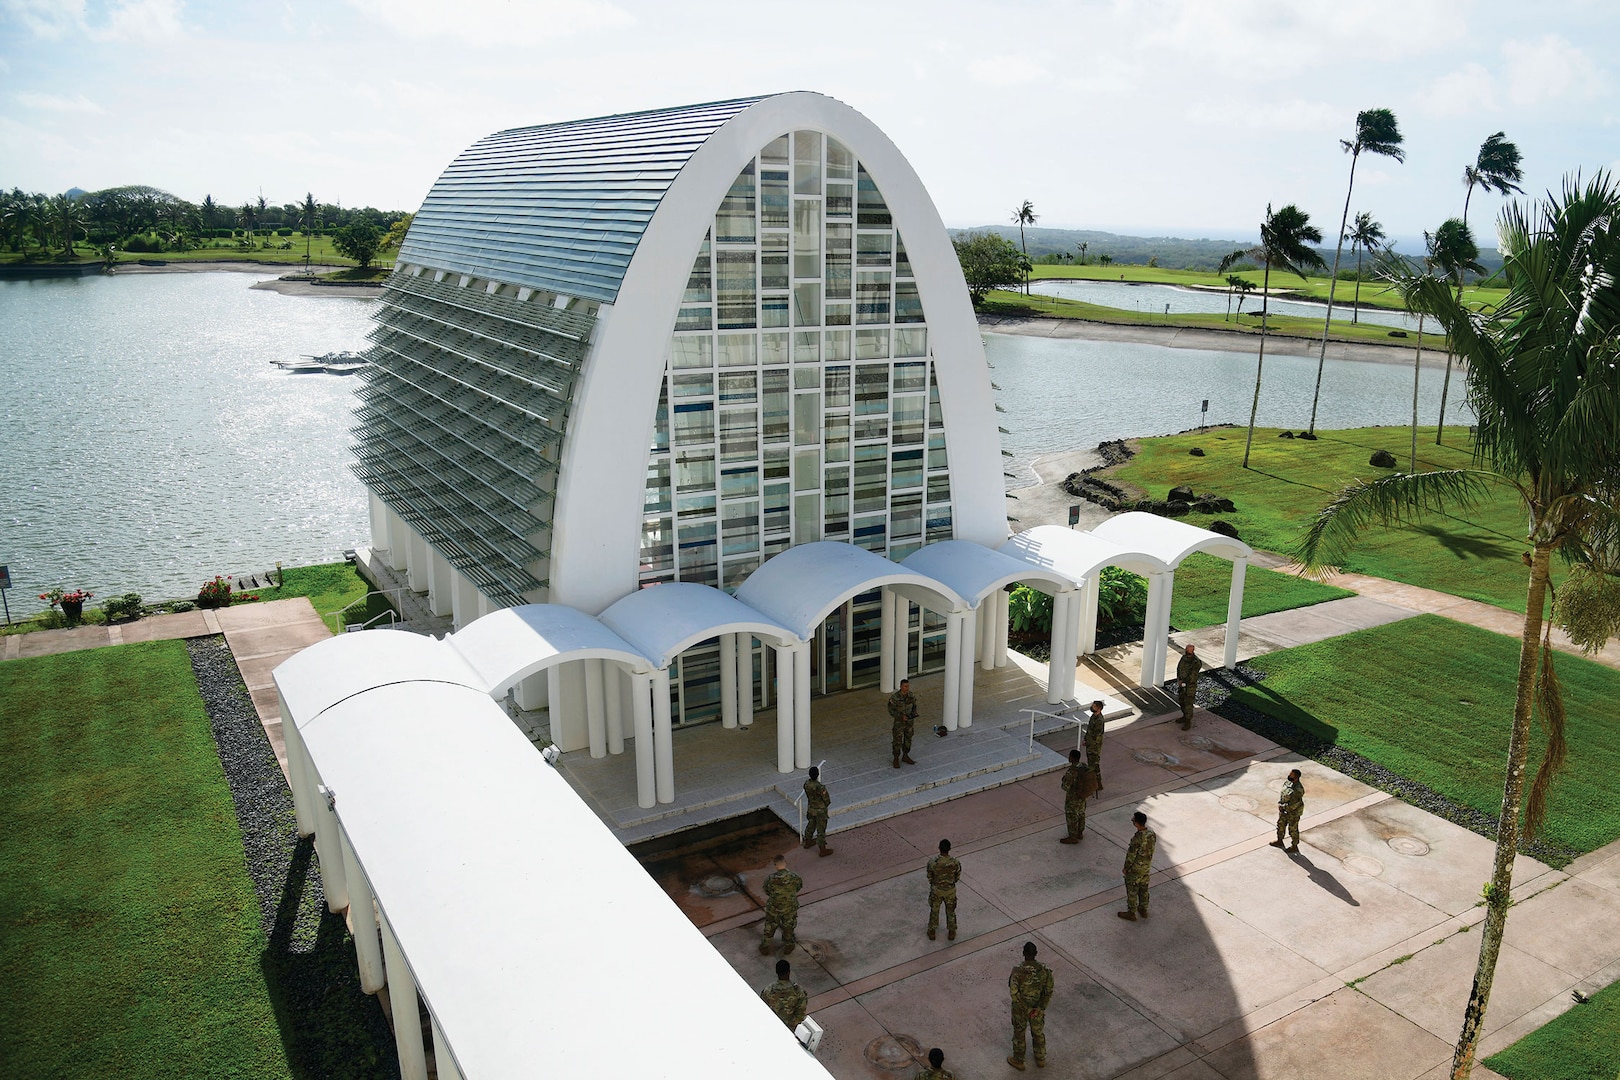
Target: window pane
871,345
773,261
740,482
807,418
908,472
871,478
939,488
736,350
656,500
807,303
692,507
839,262
738,387
910,378
807,238
902,263
907,304
874,249
837,345
840,201
773,311
837,383
692,352
871,298
739,533
836,441
657,547
698,556
872,212
911,342
905,518
694,423
773,190
806,519
807,162
694,472
840,162
700,283
806,470
735,222
735,270
776,463
694,318
871,533
776,405
739,434
776,508
694,385
807,348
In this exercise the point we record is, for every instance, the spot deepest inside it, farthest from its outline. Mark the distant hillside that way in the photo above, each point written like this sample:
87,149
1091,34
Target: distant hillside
1172,252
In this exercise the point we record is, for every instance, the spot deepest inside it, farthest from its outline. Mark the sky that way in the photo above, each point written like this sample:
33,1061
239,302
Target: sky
1157,117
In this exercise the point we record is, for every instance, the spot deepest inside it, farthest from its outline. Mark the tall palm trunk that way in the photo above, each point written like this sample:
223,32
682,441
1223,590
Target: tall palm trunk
1355,311
1333,283
1417,366
1260,364
1445,386
1507,830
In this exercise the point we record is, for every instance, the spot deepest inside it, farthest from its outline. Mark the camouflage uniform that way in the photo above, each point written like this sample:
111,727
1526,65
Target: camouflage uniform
817,802
787,1000
1290,808
903,715
1031,987
781,908
1187,669
943,874
1075,784
1138,865
1094,736
928,1072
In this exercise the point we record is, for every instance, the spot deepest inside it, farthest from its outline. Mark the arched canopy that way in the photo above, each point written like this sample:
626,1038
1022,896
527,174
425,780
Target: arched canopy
331,671
1077,555
803,585
662,621
507,646
1167,539
974,571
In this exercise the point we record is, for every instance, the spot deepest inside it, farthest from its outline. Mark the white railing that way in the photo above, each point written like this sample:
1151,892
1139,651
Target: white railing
392,615
1065,712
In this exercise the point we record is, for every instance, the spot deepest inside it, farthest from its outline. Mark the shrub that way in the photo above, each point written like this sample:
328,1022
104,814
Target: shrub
283,232
1029,611
215,594
1122,597
127,606
145,243
179,607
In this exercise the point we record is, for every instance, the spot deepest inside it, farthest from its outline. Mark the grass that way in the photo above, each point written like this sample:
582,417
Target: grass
1583,1043
1373,293
321,253
1443,719
1471,553
330,587
1203,584
131,940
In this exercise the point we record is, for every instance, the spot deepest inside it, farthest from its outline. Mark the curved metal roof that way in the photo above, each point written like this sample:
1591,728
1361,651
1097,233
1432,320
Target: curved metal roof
559,207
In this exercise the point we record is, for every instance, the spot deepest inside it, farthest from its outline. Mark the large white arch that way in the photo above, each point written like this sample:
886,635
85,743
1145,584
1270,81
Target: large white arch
599,501
663,621
507,646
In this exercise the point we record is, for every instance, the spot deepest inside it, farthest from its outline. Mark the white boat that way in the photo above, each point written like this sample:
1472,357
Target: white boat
332,363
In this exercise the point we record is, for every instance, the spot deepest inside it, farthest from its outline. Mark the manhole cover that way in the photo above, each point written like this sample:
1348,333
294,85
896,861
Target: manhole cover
1407,845
1155,757
1364,864
1196,742
894,1053
1243,804
1276,785
716,885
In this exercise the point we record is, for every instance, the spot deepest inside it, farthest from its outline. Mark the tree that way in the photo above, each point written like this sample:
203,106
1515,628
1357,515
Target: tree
1376,133
1083,247
358,242
1024,215
210,211
1452,250
247,216
1364,236
309,216
988,262
1105,258
1495,169
1544,381
395,235
1242,288
1285,239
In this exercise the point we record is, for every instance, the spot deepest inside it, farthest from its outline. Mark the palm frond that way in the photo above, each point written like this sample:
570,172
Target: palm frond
1389,500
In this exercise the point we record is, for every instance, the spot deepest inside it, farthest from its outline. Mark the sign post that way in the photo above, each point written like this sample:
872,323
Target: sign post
1203,416
1074,515
5,583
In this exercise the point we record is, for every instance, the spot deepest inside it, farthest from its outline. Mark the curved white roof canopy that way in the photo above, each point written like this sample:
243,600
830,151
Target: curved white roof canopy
974,571
801,586
330,671
663,621
1077,555
1167,539
507,646
514,933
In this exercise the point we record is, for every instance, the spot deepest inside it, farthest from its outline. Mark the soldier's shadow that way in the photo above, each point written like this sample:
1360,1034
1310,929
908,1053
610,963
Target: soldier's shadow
1324,879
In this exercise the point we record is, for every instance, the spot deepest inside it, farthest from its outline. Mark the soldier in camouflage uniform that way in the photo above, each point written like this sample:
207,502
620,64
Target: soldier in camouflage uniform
936,1069
781,906
786,998
817,802
903,715
1030,985
1187,669
943,874
1138,865
1094,736
1290,808
1076,789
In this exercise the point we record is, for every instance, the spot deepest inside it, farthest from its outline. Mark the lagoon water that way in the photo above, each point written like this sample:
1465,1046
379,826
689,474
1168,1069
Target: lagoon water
149,443
1137,296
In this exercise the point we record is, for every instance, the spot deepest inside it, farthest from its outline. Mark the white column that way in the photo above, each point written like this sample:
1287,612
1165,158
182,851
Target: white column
402,1002
1056,681
416,563
398,531
441,584
363,917
1234,613
767,658
327,846
1076,617
613,704
784,708
728,680
987,632
745,680
595,717
954,624
663,738
964,669
379,523
303,795
444,1062
886,634
801,707
641,686
530,693
902,639
554,702
1003,614
468,603
1090,595
1155,632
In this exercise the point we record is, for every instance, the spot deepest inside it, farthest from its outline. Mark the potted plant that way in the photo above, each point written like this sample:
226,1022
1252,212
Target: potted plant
71,603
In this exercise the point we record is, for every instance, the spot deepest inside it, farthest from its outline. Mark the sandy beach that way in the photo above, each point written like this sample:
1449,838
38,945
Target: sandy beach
276,284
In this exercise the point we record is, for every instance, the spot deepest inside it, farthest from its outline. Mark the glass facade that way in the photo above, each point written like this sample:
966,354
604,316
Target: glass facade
799,404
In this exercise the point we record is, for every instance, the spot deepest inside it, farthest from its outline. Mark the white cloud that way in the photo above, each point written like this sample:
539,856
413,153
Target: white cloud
1547,70
47,18
1457,93
1005,71
137,20
29,99
494,22
1310,116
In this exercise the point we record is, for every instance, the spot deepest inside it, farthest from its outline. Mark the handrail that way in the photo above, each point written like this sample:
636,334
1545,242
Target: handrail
387,594
1060,714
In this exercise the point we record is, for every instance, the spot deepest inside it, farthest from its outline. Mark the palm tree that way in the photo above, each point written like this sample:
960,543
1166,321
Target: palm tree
1496,169
1024,215
1453,251
308,215
1365,235
68,217
1285,239
1376,133
1544,379
1083,246
210,211
247,216
1242,288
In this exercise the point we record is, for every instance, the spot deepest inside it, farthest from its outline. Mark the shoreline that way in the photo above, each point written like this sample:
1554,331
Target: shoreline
340,291
1175,337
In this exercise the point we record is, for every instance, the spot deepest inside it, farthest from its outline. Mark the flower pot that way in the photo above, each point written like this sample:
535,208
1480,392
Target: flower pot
73,610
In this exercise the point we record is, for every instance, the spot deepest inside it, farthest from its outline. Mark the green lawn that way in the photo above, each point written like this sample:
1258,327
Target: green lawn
1473,553
1432,700
1581,1044
1203,584
130,935
1316,288
330,587
282,250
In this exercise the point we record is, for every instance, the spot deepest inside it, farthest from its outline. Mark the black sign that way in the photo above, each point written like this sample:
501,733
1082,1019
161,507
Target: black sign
1074,515
5,577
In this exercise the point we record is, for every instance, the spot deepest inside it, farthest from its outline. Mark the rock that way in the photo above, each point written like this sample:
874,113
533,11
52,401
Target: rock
1382,459
1177,508
1196,451
1225,528
1225,506
1306,435
1285,434
1182,493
